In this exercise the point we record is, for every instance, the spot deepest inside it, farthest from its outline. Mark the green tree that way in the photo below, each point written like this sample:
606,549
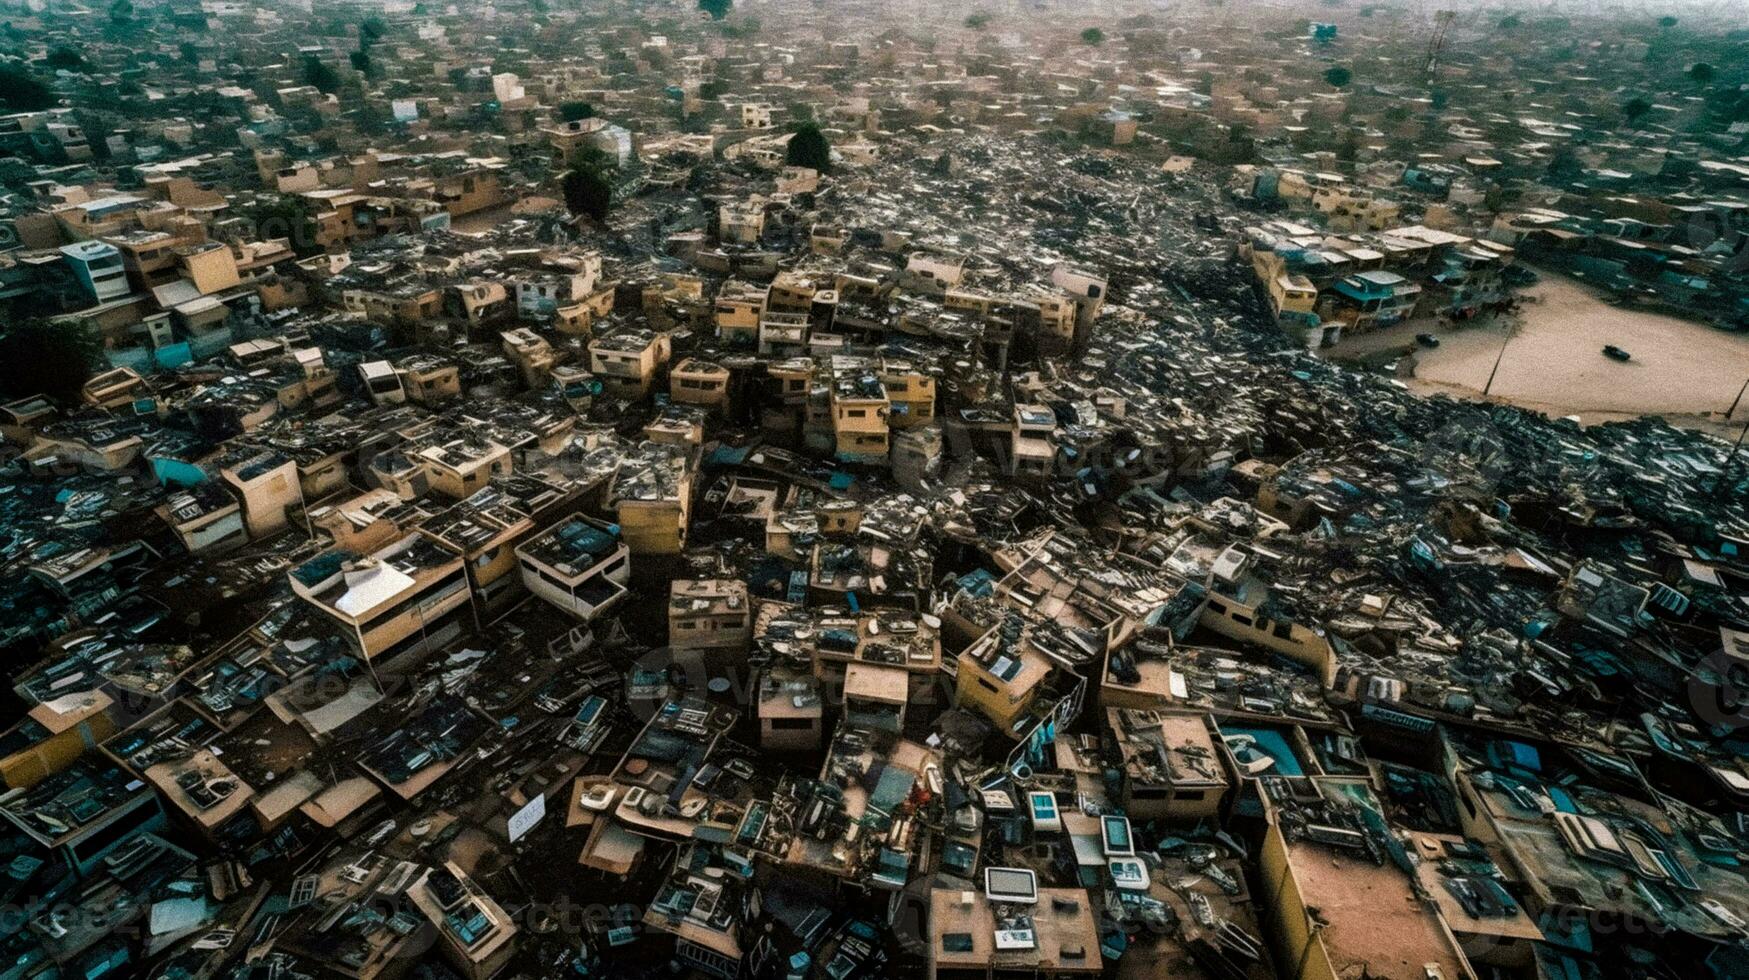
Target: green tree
361,62
121,11
1093,36
325,79
588,191
42,358
573,111
1565,165
977,21
1666,22
1338,76
1702,72
63,58
189,52
20,91
1349,149
809,148
718,9
1635,109
372,119
370,31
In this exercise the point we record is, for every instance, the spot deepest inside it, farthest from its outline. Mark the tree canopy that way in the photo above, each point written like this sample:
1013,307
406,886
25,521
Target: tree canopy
370,31
324,78
718,9
810,148
588,191
1338,76
42,358
1092,35
63,58
1635,108
573,111
977,21
21,91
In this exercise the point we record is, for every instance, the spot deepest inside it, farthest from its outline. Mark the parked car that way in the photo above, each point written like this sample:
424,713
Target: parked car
1615,353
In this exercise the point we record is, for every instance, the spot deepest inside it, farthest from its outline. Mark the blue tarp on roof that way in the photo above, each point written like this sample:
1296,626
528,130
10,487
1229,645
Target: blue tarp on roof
729,455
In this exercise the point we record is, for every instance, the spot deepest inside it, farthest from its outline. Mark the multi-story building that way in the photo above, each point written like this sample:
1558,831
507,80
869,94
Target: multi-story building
580,565
859,405
485,530
98,269
627,363
1171,768
697,381
407,596
1374,298
652,495
709,614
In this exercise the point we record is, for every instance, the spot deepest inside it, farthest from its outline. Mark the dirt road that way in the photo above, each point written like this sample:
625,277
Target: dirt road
1554,363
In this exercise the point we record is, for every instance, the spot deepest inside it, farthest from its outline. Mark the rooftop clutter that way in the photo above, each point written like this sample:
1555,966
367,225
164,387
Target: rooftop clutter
957,560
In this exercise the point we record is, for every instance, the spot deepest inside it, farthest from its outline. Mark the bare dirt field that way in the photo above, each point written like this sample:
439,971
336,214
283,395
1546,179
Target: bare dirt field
1685,370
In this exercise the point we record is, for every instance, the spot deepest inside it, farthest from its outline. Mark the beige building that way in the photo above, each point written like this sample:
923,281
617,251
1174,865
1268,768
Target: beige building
266,483
1171,769
429,380
533,356
859,406
696,381
739,305
626,363
580,565
791,712
910,393
708,614
457,468
407,596
652,496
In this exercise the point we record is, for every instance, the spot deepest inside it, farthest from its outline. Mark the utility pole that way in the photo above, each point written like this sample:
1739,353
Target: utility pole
1737,400
1497,358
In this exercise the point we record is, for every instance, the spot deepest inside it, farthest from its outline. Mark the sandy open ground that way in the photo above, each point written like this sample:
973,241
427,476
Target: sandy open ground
1554,361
